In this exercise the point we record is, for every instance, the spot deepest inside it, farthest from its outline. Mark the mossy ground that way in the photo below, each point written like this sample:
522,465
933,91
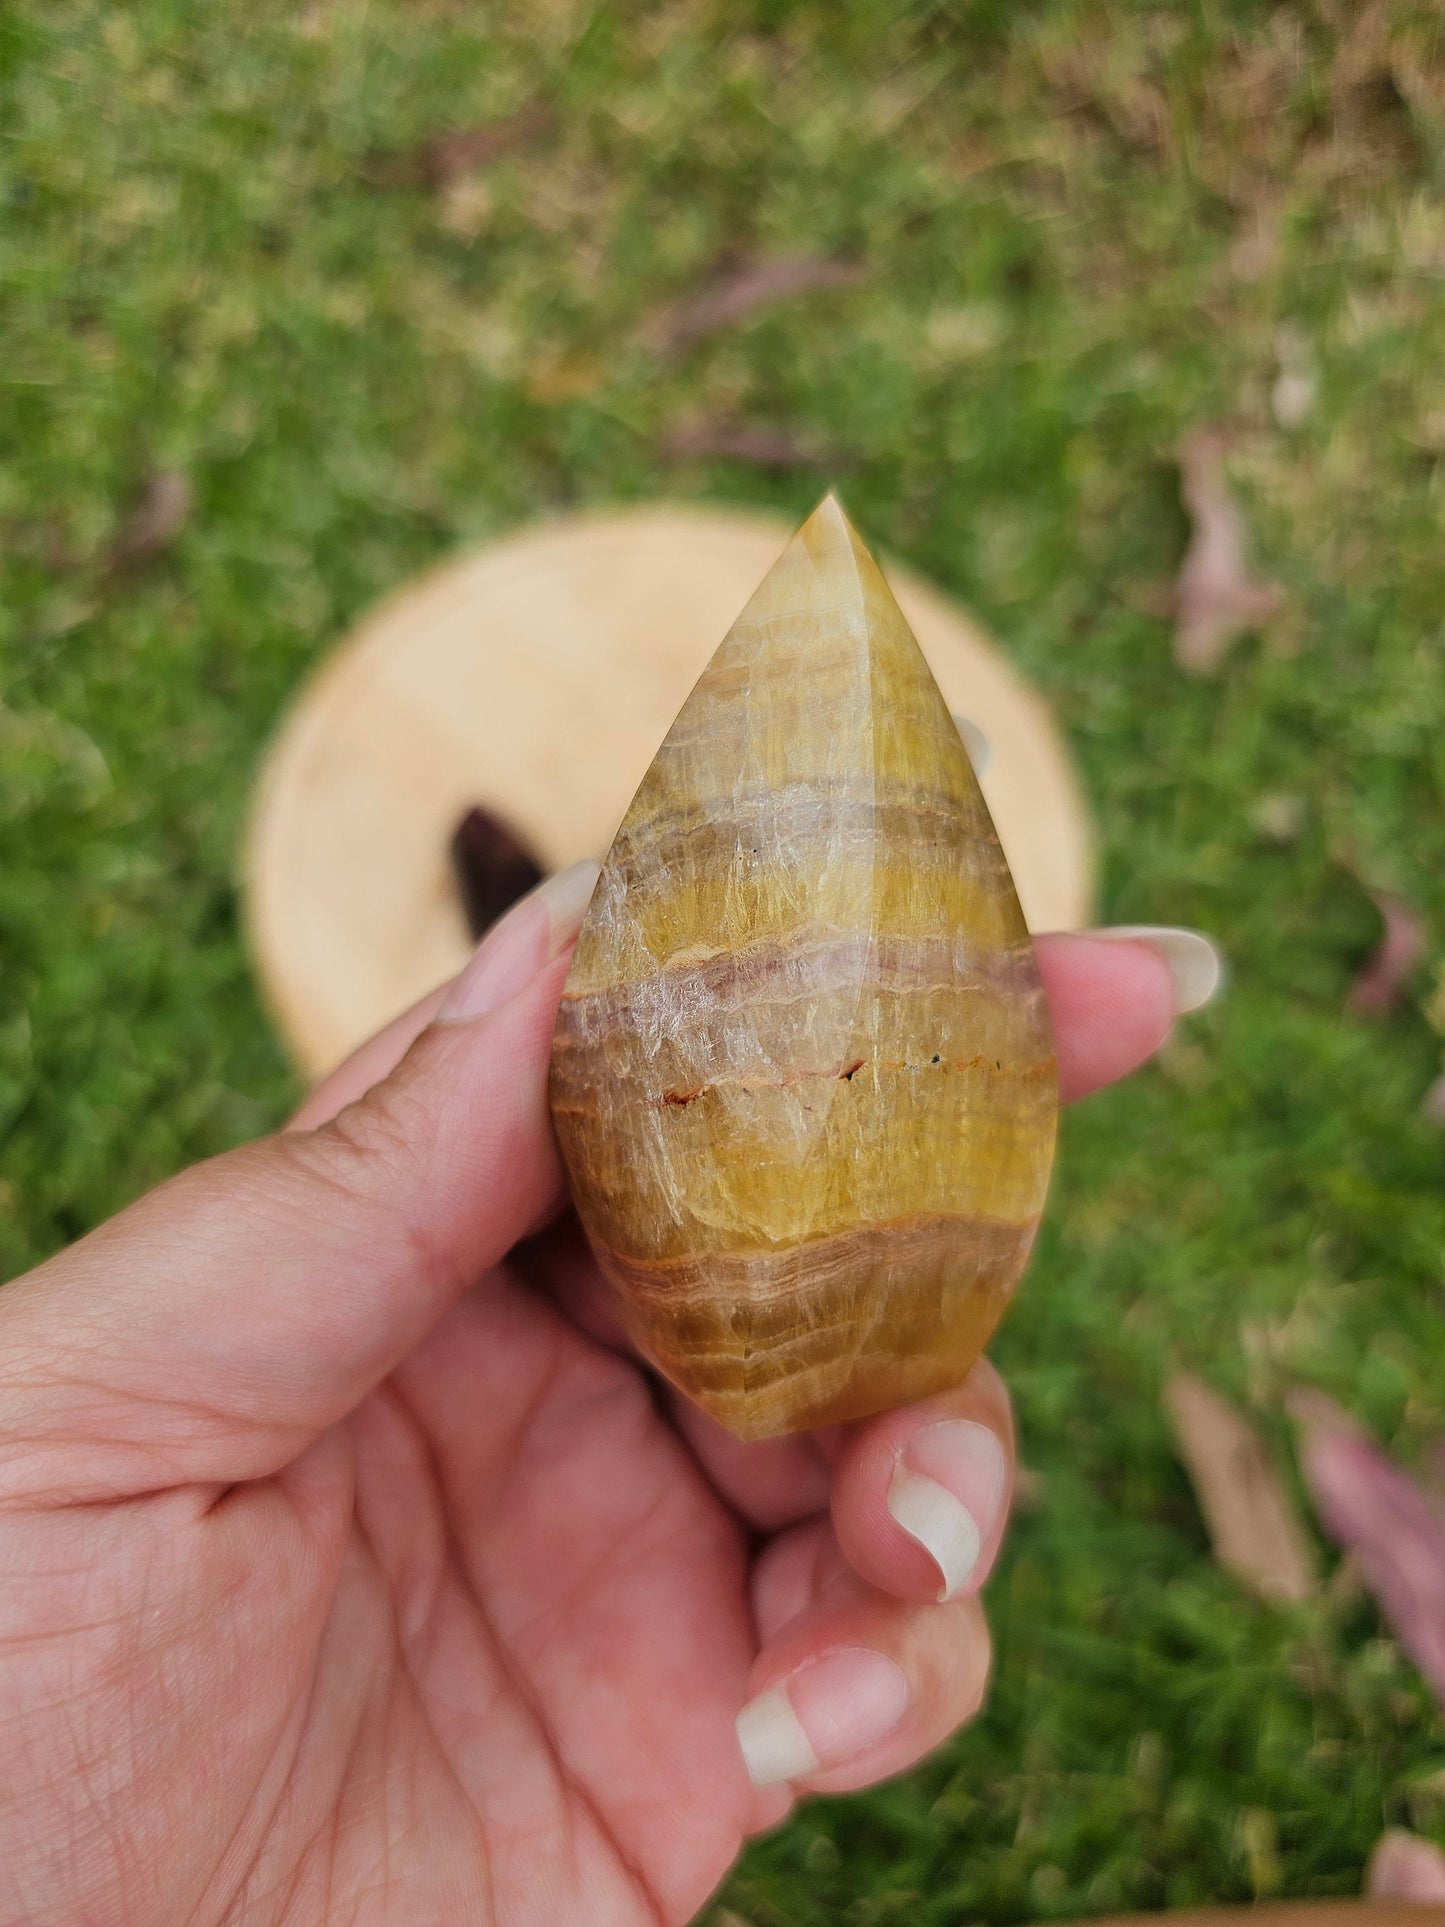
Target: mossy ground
1086,227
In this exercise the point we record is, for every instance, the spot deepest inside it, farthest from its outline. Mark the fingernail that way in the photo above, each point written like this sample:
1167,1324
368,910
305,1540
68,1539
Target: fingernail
1195,967
946,1492
516,948
980,749
824,1715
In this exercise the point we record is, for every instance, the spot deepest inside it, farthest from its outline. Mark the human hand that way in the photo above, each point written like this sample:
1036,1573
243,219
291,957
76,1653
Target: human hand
356,1571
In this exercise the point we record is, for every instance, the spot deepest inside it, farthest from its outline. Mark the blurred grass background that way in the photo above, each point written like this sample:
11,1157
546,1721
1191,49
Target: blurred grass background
1084,229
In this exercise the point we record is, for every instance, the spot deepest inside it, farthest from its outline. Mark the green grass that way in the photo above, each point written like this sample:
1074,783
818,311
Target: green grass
1087,227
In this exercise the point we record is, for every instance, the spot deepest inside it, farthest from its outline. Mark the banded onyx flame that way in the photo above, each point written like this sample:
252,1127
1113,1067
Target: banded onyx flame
802,1077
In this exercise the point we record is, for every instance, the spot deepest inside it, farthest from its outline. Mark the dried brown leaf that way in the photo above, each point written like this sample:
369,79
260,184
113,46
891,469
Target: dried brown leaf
1216,597
446,158
739,289
1376,1511
1253,1526
1405,1867
724,439
1380,981
161,511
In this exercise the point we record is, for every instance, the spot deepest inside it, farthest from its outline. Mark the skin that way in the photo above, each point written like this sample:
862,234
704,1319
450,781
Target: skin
355,1571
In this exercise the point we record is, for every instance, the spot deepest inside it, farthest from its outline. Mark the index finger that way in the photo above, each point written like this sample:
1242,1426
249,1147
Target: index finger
1112,1000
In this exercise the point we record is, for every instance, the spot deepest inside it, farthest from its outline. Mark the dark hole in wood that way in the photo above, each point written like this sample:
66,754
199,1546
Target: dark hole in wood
492,867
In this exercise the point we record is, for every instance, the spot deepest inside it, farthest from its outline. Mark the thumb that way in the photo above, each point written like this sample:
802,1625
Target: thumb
216,1327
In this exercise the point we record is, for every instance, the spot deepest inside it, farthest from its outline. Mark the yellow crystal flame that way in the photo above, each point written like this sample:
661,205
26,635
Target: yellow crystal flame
802,1077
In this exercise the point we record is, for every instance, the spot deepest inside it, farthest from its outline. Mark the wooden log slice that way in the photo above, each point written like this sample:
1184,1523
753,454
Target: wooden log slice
537,677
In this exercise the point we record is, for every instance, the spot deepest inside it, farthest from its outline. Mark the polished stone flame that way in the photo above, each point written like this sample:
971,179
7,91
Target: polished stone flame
803,1078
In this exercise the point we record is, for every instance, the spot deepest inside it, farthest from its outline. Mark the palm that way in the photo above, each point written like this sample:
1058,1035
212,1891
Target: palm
557,1633
505,1687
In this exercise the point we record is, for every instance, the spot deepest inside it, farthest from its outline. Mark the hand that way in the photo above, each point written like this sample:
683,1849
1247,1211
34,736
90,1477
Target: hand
355,1571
